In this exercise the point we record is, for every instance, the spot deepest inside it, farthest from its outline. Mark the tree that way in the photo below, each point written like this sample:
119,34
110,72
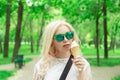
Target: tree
83,10
41,10
41,30
97,38
114,27
0,46
105,29
6,42
115,33
31,36
3,4
98,11
18,30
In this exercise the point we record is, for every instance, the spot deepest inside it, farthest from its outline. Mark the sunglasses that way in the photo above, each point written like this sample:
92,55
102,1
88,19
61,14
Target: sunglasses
60,37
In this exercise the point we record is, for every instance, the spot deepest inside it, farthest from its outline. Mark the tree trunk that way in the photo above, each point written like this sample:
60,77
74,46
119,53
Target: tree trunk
112,43
97,39
118,43
23,27
40,34
18,30
31,37
95,44
105,29
6,42
0,46
38,41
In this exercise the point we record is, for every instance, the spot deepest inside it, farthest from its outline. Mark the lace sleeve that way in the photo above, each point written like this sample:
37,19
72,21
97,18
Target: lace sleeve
36,75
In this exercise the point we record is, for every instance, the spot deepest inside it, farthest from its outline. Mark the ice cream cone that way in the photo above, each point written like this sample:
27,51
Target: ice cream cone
75,50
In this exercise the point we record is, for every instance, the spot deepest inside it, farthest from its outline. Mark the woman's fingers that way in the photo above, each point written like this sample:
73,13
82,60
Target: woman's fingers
79,62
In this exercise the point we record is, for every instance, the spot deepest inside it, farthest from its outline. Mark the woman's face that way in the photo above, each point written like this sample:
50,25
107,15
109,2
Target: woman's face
62,46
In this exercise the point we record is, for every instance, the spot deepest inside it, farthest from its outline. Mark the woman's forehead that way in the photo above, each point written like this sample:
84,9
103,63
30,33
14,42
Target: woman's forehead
62,29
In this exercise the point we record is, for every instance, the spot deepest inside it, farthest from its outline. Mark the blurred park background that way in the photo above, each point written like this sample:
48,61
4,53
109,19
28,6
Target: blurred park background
97,22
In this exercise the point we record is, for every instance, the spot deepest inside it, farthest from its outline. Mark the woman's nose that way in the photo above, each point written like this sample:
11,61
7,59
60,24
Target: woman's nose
65,39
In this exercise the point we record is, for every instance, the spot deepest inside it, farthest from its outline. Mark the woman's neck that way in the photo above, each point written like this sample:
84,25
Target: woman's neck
62,54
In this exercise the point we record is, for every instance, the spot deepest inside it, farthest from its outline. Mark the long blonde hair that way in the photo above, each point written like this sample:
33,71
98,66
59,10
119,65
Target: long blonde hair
47,38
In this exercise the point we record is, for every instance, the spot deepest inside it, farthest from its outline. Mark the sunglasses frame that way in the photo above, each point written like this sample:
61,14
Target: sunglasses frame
60,37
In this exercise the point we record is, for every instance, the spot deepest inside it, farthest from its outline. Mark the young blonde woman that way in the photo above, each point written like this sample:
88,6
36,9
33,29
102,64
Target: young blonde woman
56,50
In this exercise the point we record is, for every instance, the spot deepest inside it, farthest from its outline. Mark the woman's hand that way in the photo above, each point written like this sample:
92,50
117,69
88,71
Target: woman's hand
80,62
83,67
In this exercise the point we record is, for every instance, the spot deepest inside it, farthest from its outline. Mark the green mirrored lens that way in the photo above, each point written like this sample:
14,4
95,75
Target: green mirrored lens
69,35
59,37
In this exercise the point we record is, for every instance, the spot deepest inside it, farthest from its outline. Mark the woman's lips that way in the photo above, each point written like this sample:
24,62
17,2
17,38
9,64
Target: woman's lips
66,46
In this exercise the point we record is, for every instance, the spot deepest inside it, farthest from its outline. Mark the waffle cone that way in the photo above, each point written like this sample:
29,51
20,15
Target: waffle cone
75,50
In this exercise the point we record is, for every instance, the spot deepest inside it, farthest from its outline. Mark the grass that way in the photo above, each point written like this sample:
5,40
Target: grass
87,51
104,62
116,78
91,51
24,49
4,61
5,74
27,60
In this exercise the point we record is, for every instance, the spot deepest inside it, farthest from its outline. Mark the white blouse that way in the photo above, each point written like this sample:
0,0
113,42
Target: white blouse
56,70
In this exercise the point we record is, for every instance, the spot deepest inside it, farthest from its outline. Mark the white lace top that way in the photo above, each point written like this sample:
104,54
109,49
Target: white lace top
56,70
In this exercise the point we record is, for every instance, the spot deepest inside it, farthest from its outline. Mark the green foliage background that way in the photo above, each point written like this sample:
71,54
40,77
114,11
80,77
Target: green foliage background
80,13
